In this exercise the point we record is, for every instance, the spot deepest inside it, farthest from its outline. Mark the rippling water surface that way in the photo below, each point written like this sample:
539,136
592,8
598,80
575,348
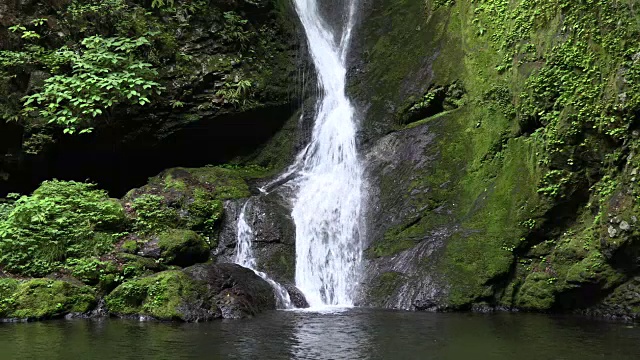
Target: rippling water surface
353,334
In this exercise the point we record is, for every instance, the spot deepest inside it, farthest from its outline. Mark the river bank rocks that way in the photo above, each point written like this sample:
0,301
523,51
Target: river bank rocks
157,257
198,293
42,299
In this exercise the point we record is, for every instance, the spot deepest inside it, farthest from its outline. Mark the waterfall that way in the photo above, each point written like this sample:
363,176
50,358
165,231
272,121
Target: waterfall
327,209
244,257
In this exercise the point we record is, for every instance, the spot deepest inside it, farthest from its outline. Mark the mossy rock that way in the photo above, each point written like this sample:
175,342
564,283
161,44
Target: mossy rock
537,293
39,299
61,221
8,287
624,301
160,296
189,198
135,265
129,246
182,247
199,293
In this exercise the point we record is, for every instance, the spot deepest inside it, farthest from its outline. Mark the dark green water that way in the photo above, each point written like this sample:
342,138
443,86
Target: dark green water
356,334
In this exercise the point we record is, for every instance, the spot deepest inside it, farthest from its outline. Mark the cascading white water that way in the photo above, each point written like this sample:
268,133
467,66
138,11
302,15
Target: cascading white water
328,204
244,257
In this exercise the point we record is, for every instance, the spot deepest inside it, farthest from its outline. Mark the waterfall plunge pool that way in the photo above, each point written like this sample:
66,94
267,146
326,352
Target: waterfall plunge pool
349,334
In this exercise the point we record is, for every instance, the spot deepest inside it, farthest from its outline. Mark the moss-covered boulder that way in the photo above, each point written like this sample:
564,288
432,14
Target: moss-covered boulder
188,198
39,299
177,247
162,296
136,265
199,293
623,302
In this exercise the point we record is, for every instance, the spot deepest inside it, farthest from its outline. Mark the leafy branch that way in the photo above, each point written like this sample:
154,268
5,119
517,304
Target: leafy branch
105,72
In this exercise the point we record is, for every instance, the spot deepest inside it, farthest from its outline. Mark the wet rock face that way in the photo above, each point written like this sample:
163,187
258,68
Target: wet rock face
396,275
269,216
335,13
297,297
237,292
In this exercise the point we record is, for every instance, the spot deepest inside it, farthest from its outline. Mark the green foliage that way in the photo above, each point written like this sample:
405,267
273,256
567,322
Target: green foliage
588,81
426,101
234,31
204,211
162,3
8,286
129,246
93,271
7,205
235,93
554,183
28,34
442,3
81,9
60,221
106,72
153,214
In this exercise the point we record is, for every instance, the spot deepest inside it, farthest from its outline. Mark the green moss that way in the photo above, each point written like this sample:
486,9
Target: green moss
8,287
159,296
397,240
172,184
134,266
152,214
396,41
280,150
182,247
92,271
129,246
46,299
228,183
204,212
538,91
537,293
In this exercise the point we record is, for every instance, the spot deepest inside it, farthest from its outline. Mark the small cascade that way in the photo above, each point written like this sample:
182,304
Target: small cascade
244,257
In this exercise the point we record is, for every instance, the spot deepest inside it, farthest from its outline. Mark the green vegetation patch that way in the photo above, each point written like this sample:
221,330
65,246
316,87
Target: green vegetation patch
60,221
182,198
522,167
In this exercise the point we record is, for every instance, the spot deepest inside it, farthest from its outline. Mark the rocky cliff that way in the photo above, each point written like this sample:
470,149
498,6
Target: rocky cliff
501,140
231,74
